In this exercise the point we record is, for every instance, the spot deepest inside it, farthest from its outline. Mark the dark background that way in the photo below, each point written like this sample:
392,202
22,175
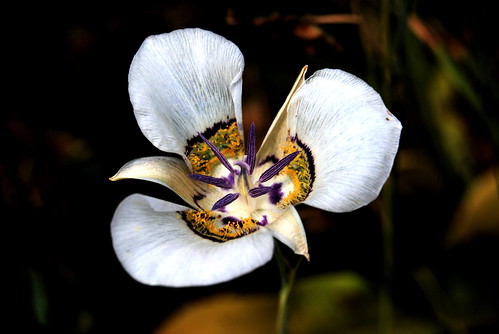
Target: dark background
67,126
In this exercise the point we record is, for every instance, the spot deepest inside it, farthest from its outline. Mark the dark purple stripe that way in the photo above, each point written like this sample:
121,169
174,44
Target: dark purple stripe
276,194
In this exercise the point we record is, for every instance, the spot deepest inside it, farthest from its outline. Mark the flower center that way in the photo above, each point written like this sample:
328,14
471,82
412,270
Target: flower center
238,179
243,194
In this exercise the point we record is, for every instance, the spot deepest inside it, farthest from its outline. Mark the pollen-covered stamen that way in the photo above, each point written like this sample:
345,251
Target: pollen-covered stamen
221,182
220,156
277,167
224,201
251,149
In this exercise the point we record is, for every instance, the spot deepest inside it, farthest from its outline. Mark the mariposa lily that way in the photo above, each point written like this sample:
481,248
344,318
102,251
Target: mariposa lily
331,146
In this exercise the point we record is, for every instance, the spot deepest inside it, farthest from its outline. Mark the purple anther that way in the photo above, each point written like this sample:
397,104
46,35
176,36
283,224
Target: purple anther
277,167
224,201
219,154
259,191
251,149
216,181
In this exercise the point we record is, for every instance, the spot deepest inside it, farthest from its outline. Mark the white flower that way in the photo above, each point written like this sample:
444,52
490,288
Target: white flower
331,146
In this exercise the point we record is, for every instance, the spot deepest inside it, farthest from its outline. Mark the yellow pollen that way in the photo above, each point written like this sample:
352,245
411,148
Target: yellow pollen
212,226
298,172
226,139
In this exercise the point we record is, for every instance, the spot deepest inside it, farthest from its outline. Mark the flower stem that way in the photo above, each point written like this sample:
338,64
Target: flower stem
288,275
385,302
386,311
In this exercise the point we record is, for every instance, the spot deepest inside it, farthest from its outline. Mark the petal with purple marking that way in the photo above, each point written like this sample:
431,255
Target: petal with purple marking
359,137
184,82
150,239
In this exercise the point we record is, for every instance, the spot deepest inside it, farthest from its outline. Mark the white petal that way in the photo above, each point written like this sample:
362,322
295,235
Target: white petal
182,83
156,247
351,135
289,230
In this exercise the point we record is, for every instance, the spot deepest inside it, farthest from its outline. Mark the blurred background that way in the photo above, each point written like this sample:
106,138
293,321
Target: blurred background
420,259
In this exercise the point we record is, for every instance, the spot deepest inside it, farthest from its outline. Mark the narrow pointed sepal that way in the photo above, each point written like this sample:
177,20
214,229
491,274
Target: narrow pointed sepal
279,128
288,229
170,172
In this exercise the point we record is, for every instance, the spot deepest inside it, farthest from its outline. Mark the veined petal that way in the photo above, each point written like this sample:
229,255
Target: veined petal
156,247
168,171
184,83
350,136
288,229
